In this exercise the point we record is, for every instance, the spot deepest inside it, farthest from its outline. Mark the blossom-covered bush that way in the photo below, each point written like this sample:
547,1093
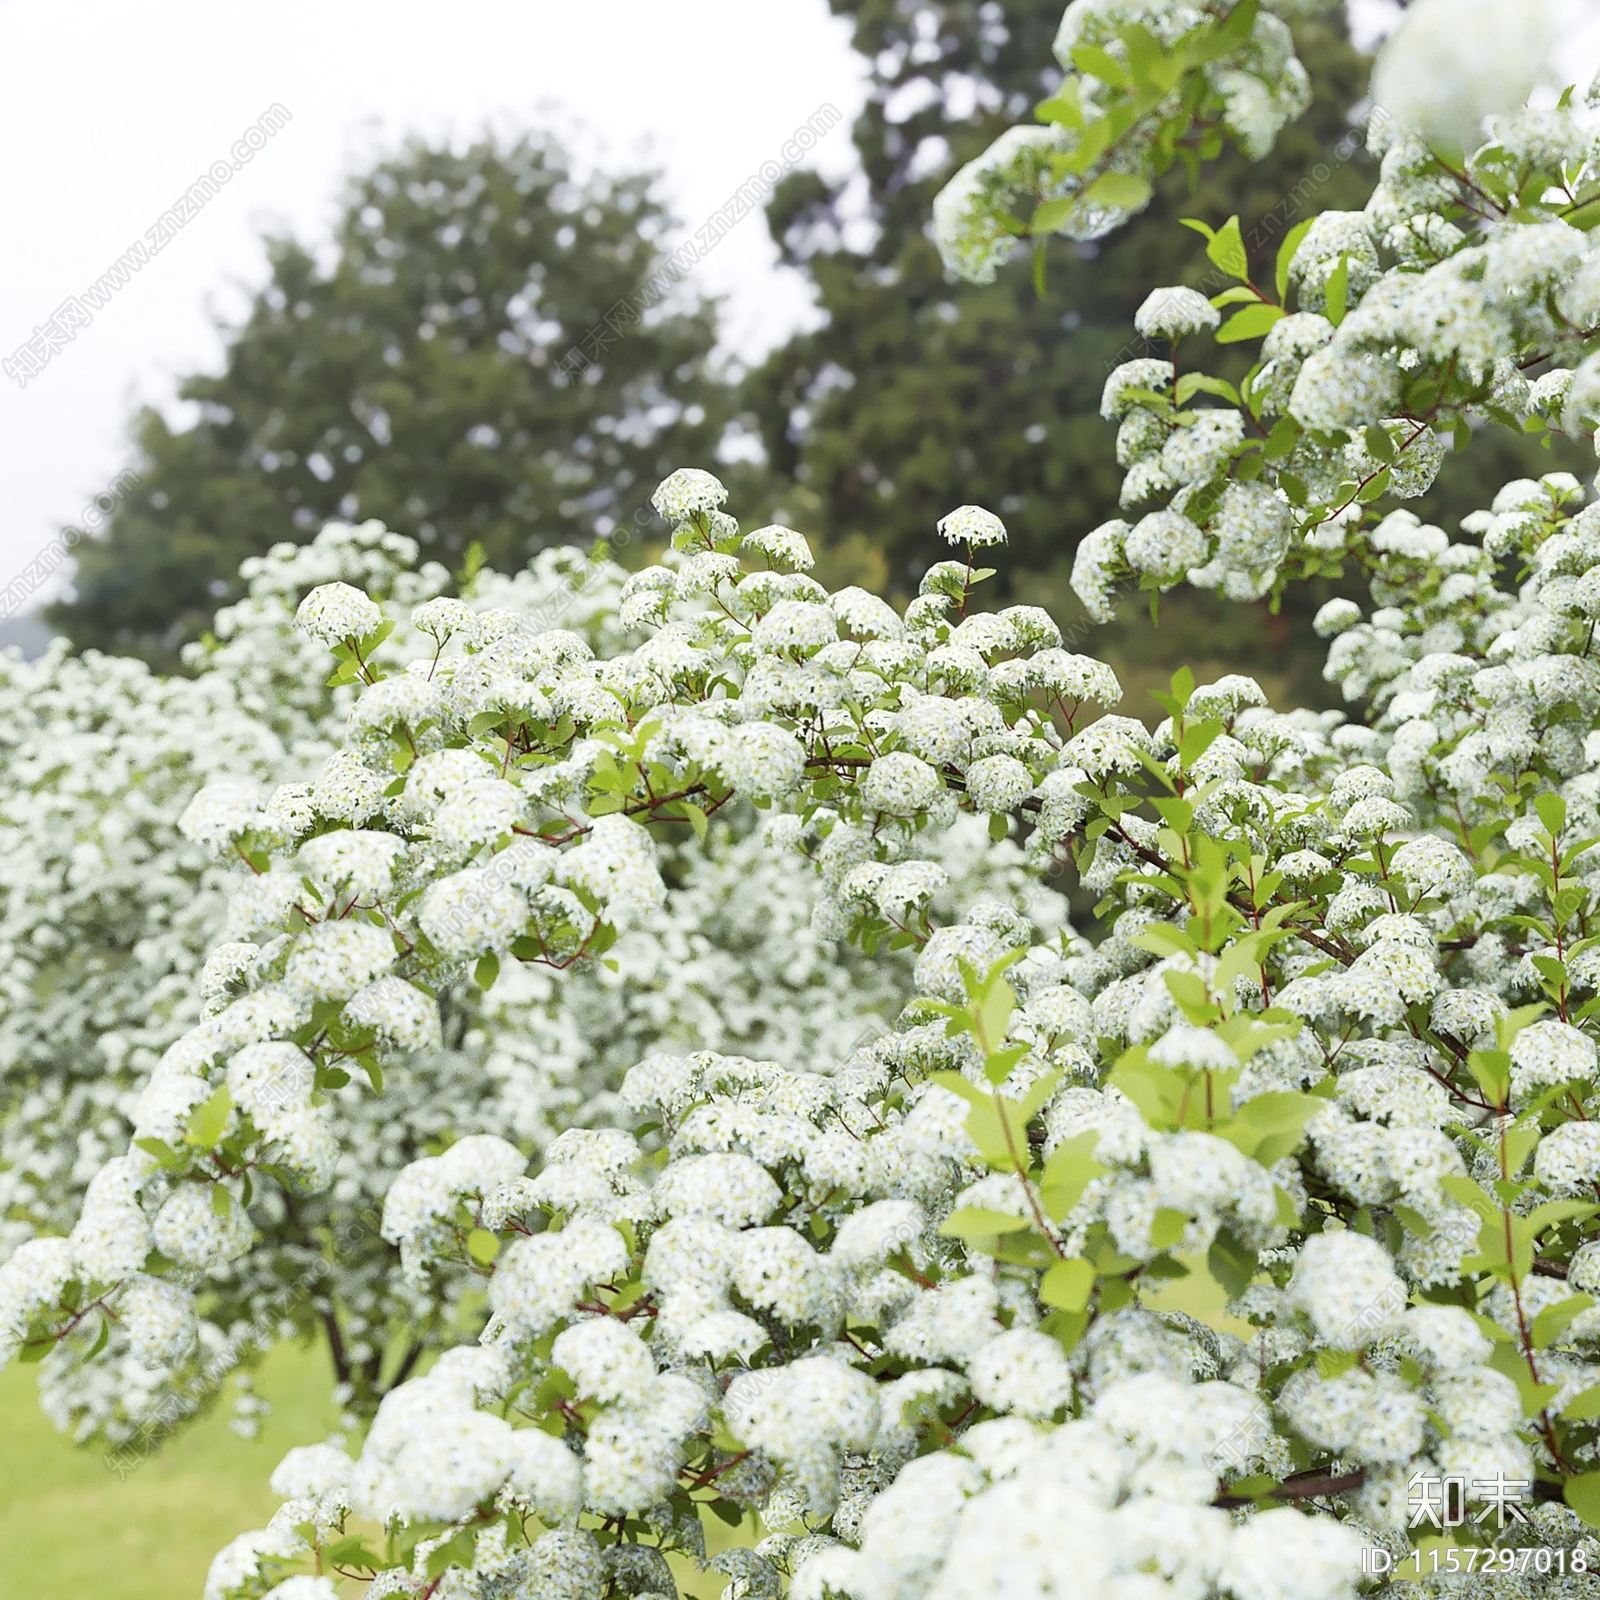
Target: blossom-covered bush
885,1300
110,912
1460,296
1182,1254
1145,83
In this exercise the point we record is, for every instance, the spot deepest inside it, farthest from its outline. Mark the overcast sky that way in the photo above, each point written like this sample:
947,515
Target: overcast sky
112,111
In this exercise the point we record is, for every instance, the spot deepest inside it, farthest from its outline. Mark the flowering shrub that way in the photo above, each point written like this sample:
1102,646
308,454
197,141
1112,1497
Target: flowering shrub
1146,83
110,912
900,1310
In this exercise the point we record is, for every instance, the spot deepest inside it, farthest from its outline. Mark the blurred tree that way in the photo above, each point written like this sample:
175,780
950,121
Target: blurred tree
444,374
917,395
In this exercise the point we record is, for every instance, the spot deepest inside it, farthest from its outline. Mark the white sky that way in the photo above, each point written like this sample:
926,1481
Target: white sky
112,110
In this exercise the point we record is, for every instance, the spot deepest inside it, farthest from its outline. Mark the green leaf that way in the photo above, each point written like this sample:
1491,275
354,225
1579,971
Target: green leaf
1067,1285
1338,291
161,1150
1491,1070
1189,990
1552,1322
377,636
1271,1126
1161,938
979,1222
1065,108
351,1551
1582,1493
997,1064
458,1551
695,817
1124,190
1156,1090
1251,323
1462,1188
483,1246
1068,1172
1334,1363
1167,1228
1239,26
1376,486
1231,1264
1286,251
1551,1212
1043,1088
1198,737
992,1014
100,1339
1094,62
1193,383
1226,248
486,971
1584,1407
1048,215
208,1119
1510,1025
1379,445
1552,811
992,1123
1204,229
1146,57
1520,1143
724,1511
956,1084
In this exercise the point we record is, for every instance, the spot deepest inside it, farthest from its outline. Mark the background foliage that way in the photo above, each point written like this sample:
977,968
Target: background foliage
418,381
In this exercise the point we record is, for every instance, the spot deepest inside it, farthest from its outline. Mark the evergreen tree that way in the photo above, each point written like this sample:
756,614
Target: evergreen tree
451,373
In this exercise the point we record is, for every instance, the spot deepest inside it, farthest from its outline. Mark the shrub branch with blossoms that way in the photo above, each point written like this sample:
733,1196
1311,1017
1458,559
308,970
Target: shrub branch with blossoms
902,1320
108,913
882,1302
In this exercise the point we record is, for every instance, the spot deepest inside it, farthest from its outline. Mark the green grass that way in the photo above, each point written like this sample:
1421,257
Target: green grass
70,1526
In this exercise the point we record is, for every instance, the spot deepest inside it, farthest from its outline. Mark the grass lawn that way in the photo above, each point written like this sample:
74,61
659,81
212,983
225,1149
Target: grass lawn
70,1527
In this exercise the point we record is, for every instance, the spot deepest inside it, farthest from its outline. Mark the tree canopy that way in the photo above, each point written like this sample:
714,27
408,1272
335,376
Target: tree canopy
450,372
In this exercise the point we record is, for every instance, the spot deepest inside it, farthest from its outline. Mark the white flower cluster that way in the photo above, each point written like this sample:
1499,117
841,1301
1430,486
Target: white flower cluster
1464,291
1165,1263
800,1307
1091,165
546,1046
